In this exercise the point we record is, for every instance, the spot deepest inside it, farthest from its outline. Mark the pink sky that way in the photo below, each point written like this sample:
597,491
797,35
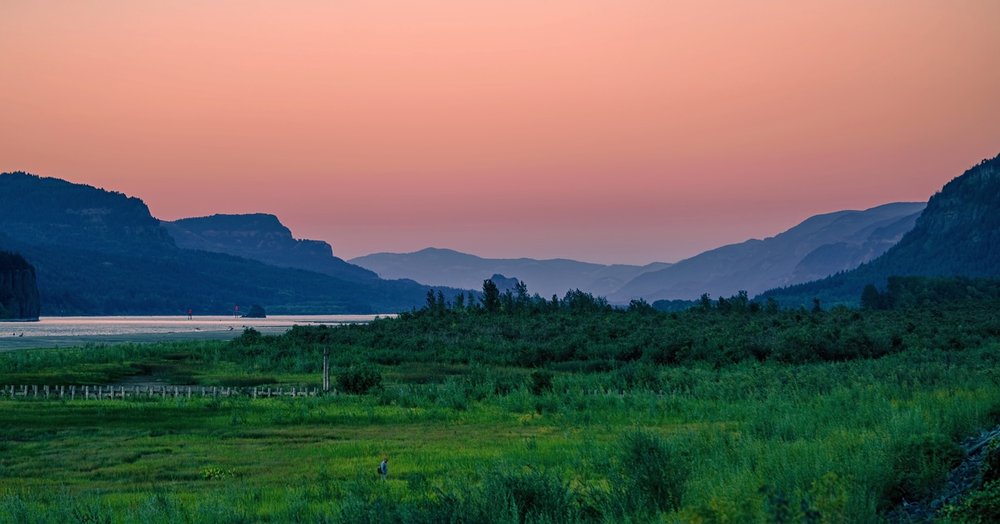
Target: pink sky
612,131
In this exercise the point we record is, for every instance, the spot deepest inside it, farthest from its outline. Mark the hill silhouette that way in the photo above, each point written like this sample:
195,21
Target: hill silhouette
435,266
817,247
264,238
958,234
100,252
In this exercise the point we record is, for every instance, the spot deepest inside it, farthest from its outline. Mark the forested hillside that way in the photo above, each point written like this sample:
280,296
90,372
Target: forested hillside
18,288
98,252
958,234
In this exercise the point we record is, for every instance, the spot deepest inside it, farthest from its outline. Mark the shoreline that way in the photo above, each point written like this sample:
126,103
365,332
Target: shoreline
9,343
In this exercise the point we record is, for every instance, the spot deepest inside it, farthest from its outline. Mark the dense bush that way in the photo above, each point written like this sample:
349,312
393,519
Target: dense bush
979,507
652,476
991,462
920,465
359,380
596,337
541,381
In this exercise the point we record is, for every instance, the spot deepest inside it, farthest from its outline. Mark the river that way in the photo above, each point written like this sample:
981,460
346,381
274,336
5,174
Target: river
72,331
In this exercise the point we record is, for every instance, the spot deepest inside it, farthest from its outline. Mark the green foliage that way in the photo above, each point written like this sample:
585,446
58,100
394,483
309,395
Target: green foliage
711,415
653,474
871,298
991,462
637,375
527,496
541,381
359,380
979,507
491,296
920,465
216,473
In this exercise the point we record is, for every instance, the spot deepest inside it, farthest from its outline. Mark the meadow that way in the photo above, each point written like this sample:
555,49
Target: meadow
526,412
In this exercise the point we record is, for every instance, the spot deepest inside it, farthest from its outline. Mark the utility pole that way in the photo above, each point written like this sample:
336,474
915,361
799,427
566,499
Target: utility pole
326,369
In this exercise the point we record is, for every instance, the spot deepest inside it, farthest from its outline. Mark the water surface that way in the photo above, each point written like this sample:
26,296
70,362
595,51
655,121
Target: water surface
69,331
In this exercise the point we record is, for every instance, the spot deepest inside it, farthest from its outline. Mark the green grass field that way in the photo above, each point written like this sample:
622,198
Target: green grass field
749,442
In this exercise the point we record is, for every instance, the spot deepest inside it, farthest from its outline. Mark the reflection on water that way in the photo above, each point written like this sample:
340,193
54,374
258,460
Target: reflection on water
103,326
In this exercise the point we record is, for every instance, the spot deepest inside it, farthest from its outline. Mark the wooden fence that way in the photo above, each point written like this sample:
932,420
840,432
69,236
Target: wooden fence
124,392
28,392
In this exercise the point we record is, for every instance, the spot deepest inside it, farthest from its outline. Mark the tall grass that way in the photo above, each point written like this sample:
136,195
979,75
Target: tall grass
752,442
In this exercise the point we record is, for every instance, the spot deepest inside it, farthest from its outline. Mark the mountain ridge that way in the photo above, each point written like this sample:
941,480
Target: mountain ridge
556,276
757,265
261,237
100,252
958,234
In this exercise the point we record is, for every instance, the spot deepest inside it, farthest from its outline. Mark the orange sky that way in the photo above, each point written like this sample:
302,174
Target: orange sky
614,131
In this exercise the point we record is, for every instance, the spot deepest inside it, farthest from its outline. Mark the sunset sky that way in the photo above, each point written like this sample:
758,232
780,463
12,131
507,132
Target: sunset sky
611,131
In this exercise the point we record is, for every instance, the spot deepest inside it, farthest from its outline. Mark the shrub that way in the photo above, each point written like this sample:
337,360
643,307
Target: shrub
541,381
991,462
359,380
249,337
652,476
216,473
920,465
533,496
979,507
637,376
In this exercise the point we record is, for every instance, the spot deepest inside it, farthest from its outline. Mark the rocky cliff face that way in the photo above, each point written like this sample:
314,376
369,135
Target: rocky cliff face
18,288
264,238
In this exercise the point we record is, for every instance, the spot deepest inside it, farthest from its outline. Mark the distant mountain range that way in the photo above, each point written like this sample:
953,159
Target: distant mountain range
818,247
446,267
99,252
958,234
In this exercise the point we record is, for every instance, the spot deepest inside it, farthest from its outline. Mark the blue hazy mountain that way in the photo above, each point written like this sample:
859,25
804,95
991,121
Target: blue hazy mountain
264,238
446,267
958,234
99,252
818,247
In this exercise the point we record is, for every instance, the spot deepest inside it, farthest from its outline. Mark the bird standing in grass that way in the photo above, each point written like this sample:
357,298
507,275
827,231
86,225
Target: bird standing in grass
383,468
